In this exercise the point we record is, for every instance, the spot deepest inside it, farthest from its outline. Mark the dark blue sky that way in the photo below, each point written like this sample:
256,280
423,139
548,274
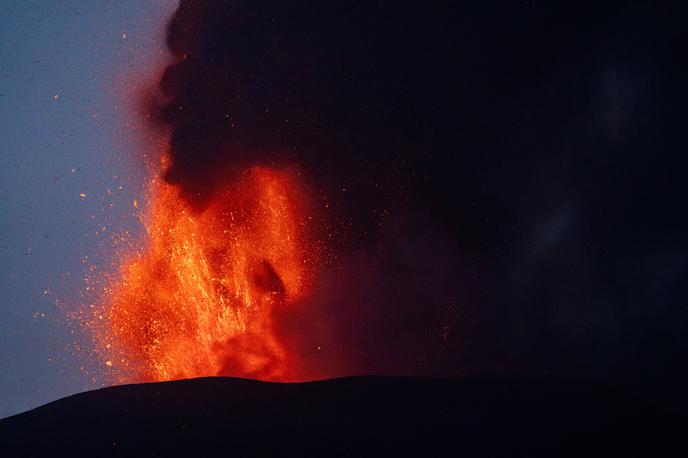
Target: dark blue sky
63,72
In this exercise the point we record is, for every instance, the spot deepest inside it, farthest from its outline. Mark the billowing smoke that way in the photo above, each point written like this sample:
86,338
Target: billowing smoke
497,178
349,94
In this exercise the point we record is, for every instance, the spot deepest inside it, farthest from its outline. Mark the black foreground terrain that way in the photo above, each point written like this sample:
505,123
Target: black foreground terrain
383,416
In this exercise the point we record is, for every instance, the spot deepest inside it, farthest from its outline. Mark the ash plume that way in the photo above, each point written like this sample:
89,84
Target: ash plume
497,176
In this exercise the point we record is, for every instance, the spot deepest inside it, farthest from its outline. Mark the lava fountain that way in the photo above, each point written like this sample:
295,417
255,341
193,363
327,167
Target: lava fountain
200,298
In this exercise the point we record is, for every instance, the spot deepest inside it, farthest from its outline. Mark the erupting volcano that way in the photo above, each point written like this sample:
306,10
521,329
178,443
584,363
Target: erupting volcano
456,222
200,299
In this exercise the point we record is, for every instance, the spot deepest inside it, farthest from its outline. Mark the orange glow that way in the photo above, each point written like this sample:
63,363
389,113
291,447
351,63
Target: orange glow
200,298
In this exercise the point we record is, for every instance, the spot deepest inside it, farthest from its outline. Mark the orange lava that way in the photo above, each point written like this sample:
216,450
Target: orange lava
200,298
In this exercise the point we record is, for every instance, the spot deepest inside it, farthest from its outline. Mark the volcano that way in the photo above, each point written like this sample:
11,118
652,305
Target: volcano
355,416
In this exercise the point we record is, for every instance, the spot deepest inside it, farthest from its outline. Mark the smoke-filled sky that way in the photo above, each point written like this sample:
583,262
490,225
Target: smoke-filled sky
505,180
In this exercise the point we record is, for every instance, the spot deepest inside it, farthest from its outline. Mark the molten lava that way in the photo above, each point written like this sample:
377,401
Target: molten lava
200,299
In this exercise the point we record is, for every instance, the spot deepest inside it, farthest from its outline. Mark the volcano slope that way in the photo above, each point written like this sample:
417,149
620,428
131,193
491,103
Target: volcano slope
346,417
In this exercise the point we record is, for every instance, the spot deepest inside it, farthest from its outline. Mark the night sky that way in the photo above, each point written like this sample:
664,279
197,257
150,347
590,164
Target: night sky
505,179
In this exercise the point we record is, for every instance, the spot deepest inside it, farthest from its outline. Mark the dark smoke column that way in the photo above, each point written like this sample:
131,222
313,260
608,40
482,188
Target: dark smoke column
345,91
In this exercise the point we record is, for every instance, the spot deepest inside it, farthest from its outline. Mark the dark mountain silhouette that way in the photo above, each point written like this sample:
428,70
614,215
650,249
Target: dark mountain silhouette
384,416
